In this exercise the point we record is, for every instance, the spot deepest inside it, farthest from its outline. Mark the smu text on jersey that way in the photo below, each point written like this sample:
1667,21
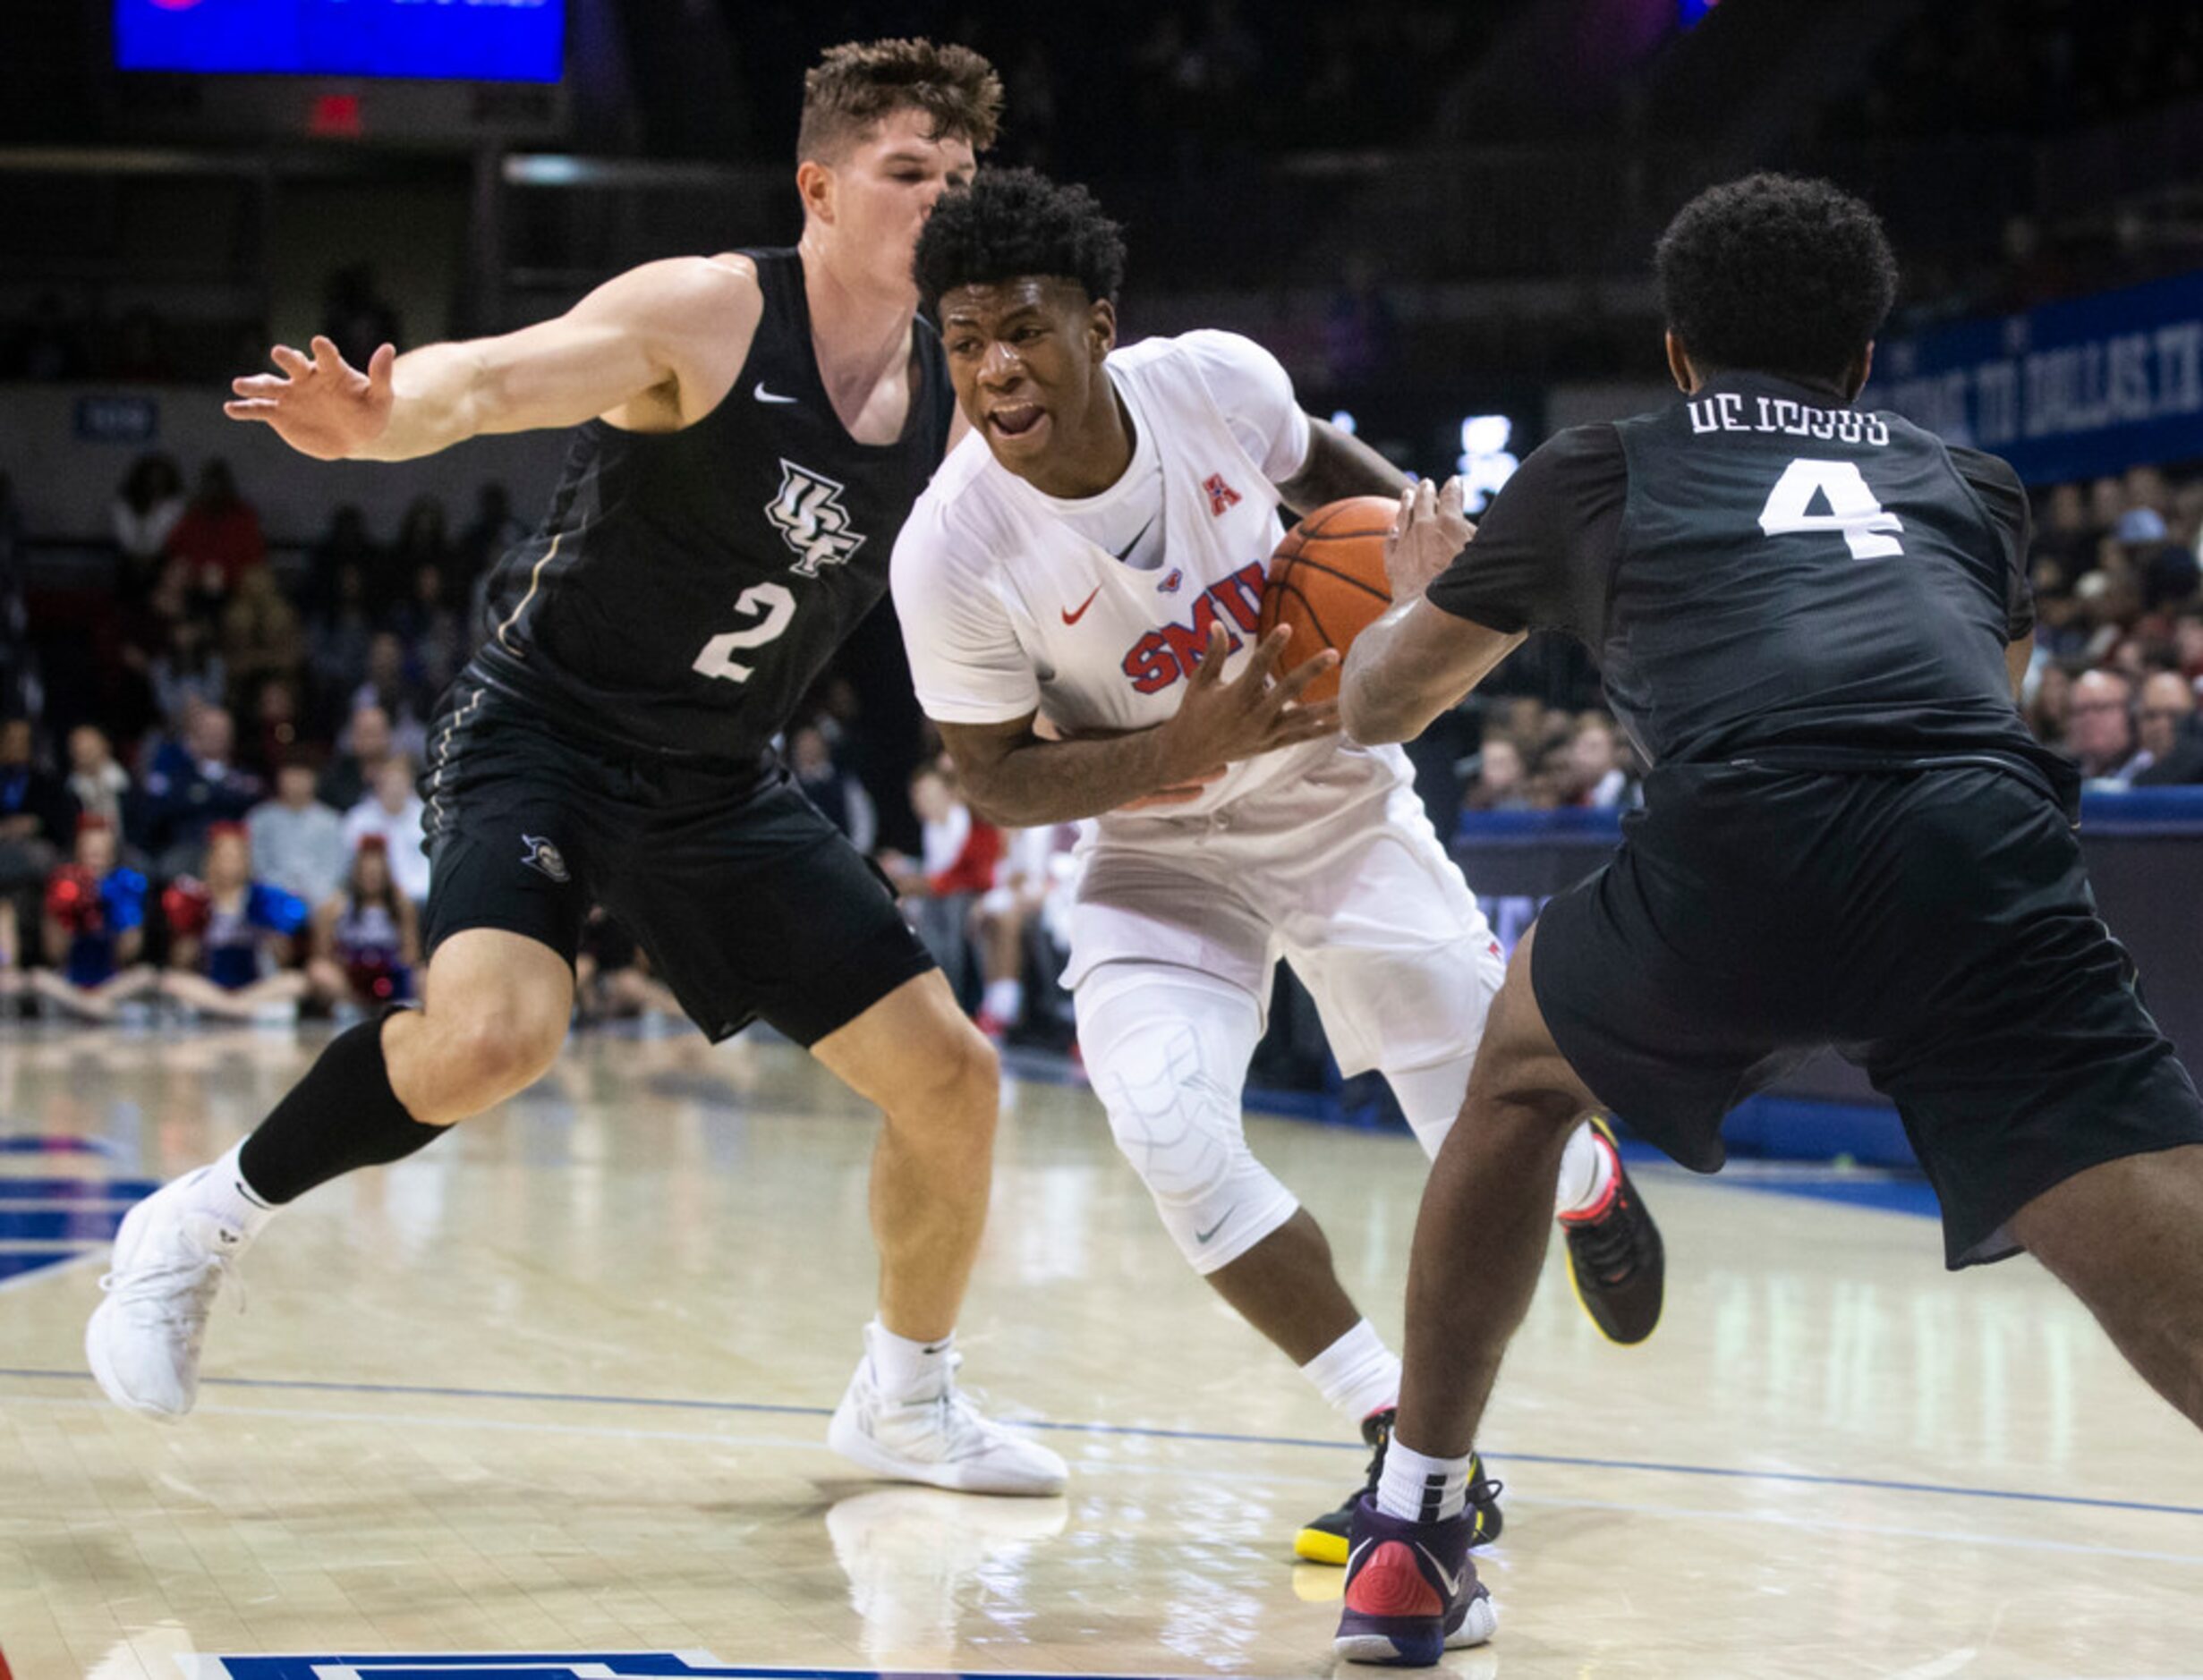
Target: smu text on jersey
1165,655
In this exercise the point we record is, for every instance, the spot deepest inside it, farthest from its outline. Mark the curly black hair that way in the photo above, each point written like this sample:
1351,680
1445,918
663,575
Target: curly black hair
1010,223
1775,273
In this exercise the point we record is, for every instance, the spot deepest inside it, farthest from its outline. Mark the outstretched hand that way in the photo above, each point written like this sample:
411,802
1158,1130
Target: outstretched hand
321,405
1429,529
1221,721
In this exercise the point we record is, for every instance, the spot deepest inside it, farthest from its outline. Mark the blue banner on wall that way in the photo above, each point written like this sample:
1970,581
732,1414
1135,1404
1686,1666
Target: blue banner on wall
2071,390
483,40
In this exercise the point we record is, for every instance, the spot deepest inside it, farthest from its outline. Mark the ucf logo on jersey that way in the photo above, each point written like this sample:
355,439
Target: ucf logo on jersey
811,520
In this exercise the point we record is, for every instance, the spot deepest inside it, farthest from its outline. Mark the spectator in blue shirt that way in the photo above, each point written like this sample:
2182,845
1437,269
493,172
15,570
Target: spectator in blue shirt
193,785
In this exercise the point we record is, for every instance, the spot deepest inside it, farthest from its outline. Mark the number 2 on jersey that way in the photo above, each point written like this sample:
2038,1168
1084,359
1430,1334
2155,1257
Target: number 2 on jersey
776,609
1851,507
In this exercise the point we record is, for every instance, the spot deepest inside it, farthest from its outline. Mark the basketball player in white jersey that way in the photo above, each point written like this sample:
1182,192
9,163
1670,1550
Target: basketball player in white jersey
1094,558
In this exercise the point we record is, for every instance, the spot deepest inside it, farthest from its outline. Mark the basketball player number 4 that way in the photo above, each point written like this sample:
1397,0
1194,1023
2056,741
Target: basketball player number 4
773,606
1852,510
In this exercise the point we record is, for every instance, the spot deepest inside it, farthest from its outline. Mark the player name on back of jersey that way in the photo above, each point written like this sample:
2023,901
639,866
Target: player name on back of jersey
1735,412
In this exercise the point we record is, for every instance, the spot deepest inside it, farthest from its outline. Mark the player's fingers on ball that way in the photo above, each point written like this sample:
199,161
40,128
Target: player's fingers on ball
1450,497
1298,678
1268,652
379,364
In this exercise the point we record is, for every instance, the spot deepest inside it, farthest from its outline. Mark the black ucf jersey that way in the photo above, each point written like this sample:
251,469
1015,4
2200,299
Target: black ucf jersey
1761,569
687,588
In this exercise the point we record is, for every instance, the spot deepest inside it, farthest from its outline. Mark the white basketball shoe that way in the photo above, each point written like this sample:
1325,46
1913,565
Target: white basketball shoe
143,1341
937,1437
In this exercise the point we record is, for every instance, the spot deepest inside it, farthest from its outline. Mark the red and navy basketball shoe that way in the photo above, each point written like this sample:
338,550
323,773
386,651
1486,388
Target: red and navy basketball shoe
1412,1594
1322,1540
1616,1260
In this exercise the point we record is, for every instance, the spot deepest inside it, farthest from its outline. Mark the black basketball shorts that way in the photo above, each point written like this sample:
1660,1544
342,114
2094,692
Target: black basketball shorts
1934,925
750,902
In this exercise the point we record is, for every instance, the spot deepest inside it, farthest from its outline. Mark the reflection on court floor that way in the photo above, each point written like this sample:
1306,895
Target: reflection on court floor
560,1385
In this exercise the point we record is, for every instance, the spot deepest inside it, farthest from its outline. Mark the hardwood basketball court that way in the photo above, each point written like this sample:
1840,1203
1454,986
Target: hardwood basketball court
560,1384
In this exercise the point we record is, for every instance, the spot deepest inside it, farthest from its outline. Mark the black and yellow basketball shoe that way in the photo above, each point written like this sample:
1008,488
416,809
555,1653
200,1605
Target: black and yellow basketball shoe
1322,1540
1615,1258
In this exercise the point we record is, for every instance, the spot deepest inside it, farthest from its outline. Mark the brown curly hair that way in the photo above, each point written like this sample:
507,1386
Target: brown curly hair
857,84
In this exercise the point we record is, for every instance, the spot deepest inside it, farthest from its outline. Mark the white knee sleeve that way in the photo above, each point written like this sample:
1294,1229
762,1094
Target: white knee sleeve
1167,1048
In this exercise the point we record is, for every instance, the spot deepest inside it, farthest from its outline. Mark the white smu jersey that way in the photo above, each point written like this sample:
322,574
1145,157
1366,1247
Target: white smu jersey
1011,603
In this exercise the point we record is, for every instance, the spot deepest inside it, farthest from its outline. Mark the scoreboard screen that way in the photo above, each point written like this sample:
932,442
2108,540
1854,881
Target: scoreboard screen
466,41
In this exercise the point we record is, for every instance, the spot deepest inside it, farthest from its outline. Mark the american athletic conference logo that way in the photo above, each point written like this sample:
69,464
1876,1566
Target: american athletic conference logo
811,520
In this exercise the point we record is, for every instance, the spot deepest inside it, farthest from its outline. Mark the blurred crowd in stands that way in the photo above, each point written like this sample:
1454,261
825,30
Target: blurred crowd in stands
2038,68
2116,677
1148,84
207,769
55,342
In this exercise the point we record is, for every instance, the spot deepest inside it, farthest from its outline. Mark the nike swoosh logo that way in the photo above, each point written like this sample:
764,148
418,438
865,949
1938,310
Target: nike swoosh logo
1202,1236
1070,617
1453,1582
763,396
1124,553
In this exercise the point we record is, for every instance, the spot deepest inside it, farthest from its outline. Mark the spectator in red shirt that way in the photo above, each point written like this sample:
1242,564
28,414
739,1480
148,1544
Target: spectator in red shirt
959,854
219,534
959,850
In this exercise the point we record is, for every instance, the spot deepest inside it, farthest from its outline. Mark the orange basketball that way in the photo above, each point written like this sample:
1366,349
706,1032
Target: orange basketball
1327,582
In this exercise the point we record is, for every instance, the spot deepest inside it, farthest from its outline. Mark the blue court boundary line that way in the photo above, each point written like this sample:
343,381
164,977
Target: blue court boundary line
1497,1455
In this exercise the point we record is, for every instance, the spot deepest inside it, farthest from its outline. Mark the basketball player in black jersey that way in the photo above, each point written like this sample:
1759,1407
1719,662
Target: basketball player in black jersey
1812,621
754,429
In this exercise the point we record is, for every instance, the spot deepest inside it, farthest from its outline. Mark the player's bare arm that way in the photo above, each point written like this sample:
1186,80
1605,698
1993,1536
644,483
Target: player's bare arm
653,350
1417,660
1339,466
2018,655
1016,776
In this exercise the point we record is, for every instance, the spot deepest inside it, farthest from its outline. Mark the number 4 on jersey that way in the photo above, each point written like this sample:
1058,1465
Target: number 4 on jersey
1851,507
775,607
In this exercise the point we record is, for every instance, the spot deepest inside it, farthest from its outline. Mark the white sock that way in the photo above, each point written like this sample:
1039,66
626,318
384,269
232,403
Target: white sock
1357,1374
221,1191
904,1370
1004,999
1587,1169
1421,1489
